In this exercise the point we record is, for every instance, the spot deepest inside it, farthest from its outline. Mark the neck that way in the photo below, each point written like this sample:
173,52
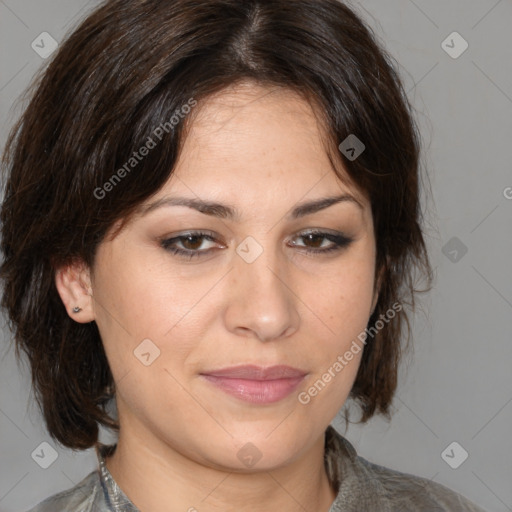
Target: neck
157,477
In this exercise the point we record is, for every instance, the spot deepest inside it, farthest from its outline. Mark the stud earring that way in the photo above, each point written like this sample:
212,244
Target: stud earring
76,309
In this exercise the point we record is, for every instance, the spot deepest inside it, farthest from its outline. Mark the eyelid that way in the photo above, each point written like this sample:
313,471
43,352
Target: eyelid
191,232
200,233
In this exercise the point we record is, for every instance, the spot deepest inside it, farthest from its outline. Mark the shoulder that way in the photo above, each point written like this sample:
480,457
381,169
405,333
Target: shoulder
409,492
83,497
382,489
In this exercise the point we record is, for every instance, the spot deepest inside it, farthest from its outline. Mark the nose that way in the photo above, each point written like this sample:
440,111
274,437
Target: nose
261,299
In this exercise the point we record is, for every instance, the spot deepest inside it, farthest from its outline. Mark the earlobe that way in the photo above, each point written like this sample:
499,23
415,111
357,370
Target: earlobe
74,286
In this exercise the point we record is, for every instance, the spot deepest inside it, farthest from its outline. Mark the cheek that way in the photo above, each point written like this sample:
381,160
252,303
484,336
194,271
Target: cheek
142,309
341,351
139,297
342,299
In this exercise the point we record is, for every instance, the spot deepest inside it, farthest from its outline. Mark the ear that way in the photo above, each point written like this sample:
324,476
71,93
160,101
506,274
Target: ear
73,283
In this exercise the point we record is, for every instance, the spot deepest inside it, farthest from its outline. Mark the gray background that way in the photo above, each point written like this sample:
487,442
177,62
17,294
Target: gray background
457,385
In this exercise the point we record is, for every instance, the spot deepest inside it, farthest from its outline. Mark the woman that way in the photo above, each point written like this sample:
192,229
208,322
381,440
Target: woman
226,230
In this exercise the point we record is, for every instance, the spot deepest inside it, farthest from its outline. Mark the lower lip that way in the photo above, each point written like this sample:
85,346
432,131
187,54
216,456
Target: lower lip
256,391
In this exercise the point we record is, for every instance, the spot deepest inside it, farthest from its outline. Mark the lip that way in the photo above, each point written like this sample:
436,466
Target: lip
254,372
256,384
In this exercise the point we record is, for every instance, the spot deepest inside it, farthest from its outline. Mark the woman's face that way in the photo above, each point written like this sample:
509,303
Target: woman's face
253,288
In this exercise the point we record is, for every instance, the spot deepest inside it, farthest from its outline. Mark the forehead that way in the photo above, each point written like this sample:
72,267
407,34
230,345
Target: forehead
257,135
253,110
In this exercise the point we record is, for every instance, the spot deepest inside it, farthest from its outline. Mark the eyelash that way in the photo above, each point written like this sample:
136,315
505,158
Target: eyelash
340,242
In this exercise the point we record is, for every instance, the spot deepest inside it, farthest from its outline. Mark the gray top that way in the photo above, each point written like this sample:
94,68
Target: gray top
360,485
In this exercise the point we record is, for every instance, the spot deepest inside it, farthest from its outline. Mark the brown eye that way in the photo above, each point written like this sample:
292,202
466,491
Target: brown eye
314,240
190,244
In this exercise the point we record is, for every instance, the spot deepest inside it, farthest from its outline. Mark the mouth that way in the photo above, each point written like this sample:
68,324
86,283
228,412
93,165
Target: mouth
256,384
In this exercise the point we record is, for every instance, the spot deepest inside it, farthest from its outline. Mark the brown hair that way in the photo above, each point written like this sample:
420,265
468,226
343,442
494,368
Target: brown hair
127,68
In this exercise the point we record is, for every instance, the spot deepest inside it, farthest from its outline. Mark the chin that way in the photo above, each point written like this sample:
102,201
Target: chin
261,448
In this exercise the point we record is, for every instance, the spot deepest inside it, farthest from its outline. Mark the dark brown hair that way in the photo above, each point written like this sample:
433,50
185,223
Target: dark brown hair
127,69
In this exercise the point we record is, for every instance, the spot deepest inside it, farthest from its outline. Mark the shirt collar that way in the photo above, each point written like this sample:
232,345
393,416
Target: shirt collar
116,499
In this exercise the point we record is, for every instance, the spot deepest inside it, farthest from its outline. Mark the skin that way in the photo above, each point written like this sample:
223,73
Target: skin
259,150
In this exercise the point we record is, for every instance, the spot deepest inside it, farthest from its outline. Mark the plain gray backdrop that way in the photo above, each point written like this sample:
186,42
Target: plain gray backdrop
456,387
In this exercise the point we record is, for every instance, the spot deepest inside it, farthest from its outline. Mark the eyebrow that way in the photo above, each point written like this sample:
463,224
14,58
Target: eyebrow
225,211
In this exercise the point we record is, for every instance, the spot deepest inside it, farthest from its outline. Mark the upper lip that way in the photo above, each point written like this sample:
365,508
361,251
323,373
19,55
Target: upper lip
254,372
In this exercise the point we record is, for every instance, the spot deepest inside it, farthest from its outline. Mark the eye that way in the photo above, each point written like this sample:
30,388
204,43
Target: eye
315,241
190,242
191,245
